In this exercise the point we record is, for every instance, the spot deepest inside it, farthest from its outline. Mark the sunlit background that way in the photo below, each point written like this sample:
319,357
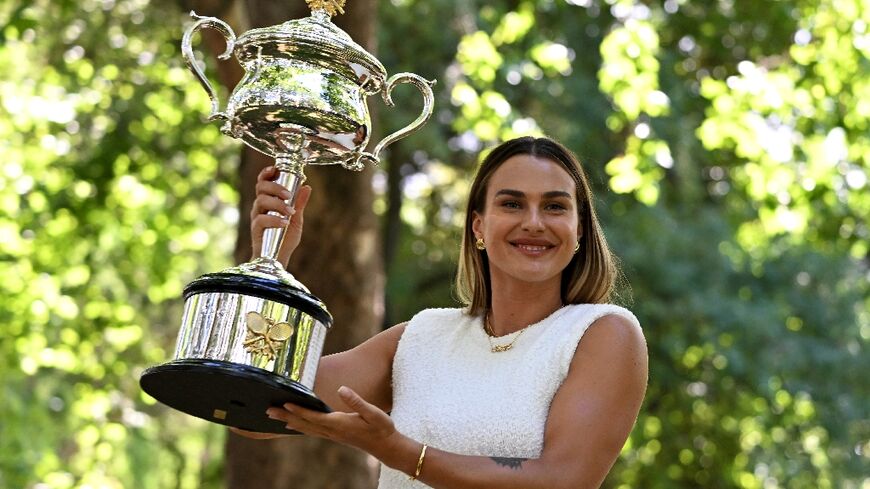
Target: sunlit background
728,141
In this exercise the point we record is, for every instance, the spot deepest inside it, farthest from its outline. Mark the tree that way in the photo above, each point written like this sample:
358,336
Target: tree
110,206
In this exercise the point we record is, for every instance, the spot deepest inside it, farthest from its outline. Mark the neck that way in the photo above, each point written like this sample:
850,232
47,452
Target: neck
517,305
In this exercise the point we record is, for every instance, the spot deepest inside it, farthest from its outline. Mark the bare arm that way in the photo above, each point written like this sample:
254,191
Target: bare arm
367,369
590,418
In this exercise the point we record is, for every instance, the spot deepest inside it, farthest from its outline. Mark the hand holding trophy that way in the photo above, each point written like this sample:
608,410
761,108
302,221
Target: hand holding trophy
252,335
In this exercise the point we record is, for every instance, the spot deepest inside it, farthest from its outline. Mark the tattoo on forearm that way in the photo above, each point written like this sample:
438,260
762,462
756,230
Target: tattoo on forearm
512,463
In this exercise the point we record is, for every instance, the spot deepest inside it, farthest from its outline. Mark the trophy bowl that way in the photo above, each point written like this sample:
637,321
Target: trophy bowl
252,335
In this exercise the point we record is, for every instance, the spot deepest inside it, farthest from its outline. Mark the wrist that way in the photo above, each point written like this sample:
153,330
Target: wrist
402,454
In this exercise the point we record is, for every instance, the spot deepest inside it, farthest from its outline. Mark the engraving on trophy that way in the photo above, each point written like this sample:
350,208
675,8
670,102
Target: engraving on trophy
265,336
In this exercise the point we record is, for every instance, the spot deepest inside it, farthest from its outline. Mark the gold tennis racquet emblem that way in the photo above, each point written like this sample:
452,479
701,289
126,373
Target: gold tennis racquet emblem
265,336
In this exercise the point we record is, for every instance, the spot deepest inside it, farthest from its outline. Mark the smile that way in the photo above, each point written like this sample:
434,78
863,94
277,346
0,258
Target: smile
532,249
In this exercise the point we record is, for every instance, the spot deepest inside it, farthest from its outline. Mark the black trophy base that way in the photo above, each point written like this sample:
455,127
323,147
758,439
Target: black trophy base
227,393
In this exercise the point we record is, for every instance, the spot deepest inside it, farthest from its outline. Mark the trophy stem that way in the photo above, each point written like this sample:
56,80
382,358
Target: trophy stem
291,177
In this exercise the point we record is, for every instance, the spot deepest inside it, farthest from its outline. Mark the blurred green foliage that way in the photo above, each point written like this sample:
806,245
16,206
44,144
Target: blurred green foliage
728,142
113,195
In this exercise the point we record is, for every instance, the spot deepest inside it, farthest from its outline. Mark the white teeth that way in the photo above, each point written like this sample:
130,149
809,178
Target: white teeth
532,248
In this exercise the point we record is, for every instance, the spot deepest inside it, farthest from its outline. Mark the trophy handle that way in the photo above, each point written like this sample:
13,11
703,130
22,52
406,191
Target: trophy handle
187,52
425,86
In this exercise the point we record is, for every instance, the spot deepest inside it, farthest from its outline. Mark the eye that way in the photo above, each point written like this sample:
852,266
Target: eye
555,207
511,204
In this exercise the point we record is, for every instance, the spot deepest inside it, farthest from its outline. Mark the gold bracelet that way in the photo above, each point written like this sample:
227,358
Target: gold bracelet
419,463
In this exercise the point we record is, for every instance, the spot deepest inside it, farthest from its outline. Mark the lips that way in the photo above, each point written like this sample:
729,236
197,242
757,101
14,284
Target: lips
532,246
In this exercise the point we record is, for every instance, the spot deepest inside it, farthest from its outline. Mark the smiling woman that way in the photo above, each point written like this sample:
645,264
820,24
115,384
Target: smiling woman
588,278
535,383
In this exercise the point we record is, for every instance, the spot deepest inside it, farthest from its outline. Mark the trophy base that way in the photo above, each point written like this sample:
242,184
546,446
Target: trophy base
227,393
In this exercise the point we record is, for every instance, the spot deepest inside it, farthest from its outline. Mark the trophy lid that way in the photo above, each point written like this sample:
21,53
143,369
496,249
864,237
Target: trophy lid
315,39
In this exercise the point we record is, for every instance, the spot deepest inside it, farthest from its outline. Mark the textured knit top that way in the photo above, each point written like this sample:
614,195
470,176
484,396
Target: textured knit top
451,392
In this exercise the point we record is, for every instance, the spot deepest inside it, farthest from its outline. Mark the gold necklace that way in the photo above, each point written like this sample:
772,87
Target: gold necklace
487,328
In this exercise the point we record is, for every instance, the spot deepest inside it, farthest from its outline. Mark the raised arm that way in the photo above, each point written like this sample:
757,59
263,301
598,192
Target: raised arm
273,197
367,368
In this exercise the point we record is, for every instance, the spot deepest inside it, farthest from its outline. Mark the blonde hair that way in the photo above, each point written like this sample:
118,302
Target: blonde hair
591,275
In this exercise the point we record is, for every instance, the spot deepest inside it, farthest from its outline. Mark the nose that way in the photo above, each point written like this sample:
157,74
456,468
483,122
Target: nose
532,221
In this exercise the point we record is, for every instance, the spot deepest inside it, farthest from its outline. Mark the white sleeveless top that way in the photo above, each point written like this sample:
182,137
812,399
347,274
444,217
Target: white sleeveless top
452,393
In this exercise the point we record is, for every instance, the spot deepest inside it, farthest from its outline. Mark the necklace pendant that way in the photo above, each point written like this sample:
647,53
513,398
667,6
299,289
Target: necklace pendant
501,348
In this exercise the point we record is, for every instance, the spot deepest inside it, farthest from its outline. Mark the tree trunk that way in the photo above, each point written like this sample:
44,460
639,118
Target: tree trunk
339,260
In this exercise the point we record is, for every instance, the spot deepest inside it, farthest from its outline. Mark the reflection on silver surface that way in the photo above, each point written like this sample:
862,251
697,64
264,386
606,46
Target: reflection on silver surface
305,76
215,327
303,101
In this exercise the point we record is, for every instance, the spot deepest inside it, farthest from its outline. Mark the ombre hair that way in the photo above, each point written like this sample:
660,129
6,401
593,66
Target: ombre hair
591,275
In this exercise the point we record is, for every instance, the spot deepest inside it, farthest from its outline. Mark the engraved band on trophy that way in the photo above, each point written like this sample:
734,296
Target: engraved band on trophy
252,335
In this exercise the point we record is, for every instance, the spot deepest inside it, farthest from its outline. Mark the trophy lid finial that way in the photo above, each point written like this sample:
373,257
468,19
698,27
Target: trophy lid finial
331,7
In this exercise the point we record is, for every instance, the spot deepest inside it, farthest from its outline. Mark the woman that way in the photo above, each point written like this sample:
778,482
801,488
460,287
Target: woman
502,393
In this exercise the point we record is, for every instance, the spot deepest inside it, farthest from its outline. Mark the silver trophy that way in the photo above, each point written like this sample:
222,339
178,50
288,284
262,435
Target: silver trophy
252,335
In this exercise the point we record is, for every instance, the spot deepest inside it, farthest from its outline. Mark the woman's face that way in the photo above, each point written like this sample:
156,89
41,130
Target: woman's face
530,222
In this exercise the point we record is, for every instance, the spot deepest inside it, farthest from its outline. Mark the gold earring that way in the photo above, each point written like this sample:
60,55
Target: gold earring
479,244
577,248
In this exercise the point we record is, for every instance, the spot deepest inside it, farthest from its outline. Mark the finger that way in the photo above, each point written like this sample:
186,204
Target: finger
266,203
275,189
266,221
298,217
255,435
293,421
310,415
267,173
369,412
302,197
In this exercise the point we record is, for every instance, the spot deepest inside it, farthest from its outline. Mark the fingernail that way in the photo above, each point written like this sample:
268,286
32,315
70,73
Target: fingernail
343,390
270,413
285,194
288,407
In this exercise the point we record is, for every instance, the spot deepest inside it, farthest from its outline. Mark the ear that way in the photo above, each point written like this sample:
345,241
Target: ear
476,223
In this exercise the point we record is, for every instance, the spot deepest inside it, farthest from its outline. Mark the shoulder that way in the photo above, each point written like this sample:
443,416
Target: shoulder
589,314
616,330
432,330
384,343
579,322
613,338
596,335
437,319
439,314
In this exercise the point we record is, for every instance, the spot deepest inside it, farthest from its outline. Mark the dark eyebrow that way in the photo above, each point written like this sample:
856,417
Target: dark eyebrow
556,193
547,195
